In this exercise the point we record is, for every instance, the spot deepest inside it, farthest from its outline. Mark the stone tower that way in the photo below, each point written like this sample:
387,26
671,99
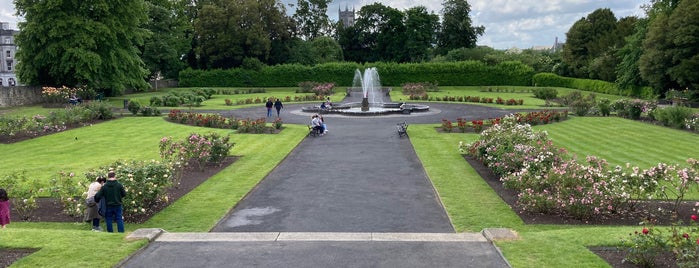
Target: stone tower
346,17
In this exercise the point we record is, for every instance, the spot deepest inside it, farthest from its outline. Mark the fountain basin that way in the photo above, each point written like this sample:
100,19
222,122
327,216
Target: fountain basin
354,109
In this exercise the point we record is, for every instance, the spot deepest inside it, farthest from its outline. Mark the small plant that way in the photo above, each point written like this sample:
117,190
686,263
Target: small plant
277,123
604,106
447,126
134,107
23,192
545,93
69,190
642,247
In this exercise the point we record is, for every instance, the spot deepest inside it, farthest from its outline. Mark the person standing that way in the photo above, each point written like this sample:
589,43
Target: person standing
4,208
91,211
112,192
269,105
278,105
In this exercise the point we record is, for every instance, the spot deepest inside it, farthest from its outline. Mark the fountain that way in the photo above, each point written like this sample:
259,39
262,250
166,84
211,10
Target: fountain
372,102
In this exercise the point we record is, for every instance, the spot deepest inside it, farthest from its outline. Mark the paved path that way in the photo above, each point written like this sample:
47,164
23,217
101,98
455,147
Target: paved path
356,197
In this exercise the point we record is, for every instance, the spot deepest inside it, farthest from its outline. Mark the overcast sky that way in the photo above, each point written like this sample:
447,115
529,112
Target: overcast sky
508,23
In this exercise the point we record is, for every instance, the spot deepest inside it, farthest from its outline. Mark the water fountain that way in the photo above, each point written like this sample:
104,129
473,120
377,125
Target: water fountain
372,102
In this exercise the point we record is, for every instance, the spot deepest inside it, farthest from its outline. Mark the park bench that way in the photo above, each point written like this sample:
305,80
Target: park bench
402,129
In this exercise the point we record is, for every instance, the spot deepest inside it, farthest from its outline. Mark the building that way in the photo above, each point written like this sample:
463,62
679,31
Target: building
346,17
7,62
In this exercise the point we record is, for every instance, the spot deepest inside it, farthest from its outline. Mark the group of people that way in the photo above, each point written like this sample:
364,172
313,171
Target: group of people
276,104
318,124
104,200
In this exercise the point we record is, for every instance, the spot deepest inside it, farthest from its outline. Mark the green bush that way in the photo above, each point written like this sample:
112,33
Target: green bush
69,190
598,86
673,116
391,74
149,111
22,192
134,107
545,93
146,184
604,106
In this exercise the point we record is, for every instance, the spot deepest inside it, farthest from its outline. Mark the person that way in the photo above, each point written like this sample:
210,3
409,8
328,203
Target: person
278,105
329,103
74,99
322,122
91,210
322,106
317,124
269,105
4,208
112,191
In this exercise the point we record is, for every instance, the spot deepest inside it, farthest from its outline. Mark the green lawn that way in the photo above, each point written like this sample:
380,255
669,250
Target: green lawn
470,202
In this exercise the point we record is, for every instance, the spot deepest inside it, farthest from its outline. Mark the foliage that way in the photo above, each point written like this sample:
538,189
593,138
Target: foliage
209,149
252,126
597,86
200,120
56,121
632,108
580,105
22,191
447,125
392,74
421,28
643,247
61,95
549,180
673,116
146,183
183,98
134,107
312,19
93,45
604,106
545,93
317,88
163,48
457,28
240,29
419,88
680,239
70,191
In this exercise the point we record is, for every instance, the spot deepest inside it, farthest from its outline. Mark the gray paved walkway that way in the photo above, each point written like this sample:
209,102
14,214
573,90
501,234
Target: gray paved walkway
360,180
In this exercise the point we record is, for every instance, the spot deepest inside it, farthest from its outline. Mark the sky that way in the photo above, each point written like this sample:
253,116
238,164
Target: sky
508,23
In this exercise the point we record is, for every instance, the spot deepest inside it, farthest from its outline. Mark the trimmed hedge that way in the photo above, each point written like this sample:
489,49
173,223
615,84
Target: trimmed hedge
598,86
464,73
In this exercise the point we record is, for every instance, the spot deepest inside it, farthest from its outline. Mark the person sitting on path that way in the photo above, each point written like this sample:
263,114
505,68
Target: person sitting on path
4,208
91,210
112,192
322,122
278,105
269,105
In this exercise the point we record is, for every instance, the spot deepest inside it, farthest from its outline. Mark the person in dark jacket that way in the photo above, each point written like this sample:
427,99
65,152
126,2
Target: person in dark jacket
278,105
112,192
269,105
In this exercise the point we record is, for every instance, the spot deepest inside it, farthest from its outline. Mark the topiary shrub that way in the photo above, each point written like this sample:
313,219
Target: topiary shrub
134,107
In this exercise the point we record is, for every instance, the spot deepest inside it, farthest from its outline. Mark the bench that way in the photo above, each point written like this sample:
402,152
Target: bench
402,129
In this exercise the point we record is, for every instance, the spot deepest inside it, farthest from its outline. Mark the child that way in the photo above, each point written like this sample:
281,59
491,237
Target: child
4,208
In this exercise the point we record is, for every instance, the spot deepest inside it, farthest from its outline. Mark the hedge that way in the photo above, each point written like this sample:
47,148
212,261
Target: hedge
598,86
464,73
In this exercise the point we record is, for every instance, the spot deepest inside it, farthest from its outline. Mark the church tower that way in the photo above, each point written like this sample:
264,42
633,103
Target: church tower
346,17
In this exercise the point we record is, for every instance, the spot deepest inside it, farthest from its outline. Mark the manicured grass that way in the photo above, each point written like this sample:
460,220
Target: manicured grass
136,138
622,141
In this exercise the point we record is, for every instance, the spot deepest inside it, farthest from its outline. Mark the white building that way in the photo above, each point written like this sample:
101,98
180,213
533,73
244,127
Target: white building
7,58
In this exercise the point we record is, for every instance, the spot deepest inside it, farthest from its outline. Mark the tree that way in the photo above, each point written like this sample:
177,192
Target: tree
576,53
627,71
163,50
228,31
311,18
655,61
683,27
381,33
326,50
457,30
421,28
82,43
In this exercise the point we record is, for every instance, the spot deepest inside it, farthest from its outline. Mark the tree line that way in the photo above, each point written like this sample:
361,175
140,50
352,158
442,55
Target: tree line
114,45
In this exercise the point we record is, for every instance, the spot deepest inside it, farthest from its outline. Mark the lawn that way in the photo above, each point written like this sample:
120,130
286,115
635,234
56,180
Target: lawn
469,201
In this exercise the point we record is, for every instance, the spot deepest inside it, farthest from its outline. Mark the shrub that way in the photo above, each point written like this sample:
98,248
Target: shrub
134,107
70,191
604,106
209,149
545,93
22,192
145,182
447,126
149,111
673,116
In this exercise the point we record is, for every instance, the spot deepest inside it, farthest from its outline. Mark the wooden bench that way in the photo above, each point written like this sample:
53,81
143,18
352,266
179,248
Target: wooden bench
402,129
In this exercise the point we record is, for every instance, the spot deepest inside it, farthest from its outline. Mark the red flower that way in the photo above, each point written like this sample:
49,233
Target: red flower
685,235
645,231
694,217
